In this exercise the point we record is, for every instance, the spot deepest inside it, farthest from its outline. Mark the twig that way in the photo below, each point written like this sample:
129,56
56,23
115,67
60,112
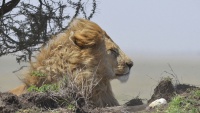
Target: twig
19,69
173,74
151,78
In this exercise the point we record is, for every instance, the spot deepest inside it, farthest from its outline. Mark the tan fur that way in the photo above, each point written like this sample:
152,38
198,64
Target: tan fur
86,49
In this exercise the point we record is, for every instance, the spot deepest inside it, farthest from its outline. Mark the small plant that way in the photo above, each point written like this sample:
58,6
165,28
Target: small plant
44,88
29,110
71,107
175,105
48,87
38,74
185,104
167,79
197,94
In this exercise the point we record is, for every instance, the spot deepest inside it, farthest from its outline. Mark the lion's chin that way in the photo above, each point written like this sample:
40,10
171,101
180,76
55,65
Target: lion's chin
123,77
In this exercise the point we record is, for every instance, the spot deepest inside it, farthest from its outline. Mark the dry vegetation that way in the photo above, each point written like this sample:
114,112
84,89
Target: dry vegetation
68,98
50,97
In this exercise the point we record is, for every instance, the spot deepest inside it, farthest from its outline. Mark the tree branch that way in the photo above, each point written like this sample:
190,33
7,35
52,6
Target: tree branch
7,7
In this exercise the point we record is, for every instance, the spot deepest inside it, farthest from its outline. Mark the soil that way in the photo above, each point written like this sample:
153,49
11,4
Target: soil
41,102
61,102
165,89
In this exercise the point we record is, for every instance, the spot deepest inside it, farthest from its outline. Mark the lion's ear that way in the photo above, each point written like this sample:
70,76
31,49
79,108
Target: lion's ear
86,38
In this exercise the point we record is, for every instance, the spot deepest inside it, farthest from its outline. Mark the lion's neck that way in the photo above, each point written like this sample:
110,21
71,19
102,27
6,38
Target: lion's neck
103,95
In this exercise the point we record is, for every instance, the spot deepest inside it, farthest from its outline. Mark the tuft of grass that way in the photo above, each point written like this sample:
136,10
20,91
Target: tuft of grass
38,74
185,104
44,88
197,94
47,87
29,110
71,107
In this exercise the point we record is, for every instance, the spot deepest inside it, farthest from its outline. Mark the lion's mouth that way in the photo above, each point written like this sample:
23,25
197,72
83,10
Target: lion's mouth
123,77
126,74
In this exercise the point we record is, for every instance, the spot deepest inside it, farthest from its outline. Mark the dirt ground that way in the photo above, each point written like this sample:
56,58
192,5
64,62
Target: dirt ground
61,102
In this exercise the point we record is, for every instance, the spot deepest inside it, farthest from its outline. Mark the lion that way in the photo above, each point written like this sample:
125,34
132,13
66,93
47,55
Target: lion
85,51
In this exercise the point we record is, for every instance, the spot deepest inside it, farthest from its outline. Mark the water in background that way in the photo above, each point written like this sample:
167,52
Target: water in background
145,74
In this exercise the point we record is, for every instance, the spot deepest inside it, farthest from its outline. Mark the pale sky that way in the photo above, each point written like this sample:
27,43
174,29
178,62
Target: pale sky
152,26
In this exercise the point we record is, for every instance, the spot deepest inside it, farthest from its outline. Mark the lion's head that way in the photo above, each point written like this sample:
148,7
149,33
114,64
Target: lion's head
121,62
86,52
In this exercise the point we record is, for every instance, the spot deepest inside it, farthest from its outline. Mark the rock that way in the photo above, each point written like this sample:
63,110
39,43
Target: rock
157,102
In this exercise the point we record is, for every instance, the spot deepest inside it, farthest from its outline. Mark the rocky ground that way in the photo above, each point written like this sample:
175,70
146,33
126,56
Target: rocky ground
51,102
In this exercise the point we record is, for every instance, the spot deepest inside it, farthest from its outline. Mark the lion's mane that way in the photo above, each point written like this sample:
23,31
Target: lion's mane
79,51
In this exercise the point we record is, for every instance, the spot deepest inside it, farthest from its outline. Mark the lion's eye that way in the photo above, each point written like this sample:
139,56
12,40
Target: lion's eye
114,52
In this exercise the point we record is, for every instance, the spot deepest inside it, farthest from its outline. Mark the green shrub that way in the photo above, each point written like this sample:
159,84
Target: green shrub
44,88
185,104
38,74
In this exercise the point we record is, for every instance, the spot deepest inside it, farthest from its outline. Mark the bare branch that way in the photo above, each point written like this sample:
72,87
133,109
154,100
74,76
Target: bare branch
25,30
7,7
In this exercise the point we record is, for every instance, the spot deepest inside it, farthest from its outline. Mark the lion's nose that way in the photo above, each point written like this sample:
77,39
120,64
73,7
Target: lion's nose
129,63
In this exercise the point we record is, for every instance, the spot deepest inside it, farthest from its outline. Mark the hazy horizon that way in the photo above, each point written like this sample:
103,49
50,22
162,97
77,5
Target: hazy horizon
145,74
